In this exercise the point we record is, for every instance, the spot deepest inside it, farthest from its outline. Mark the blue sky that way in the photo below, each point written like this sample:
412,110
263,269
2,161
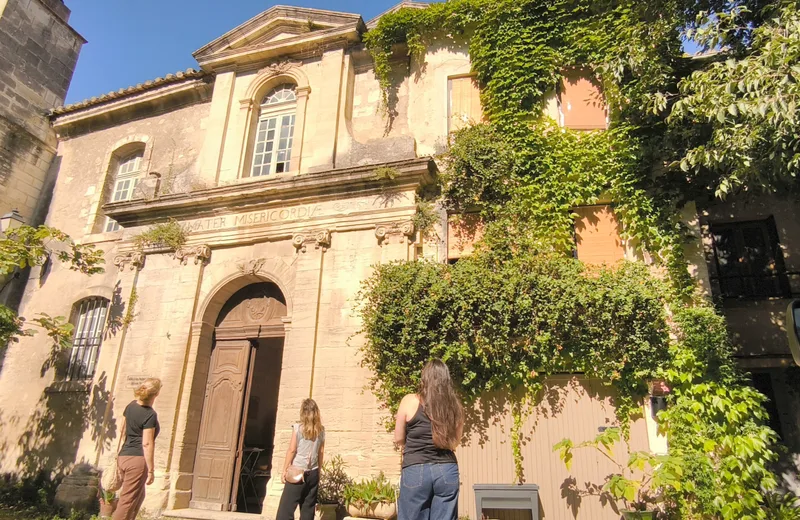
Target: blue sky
131,41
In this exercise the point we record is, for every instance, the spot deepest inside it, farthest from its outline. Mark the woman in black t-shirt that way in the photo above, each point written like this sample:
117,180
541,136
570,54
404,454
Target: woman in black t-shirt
429,425
135,460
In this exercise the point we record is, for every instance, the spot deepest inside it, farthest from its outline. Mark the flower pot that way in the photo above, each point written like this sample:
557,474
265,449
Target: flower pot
326,512
381,511
107,508
638,515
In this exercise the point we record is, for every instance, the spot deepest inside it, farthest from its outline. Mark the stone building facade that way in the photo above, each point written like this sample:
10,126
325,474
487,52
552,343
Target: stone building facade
38,52
291,183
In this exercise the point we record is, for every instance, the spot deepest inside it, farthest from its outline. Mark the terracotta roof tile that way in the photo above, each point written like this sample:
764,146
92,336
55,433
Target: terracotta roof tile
141,87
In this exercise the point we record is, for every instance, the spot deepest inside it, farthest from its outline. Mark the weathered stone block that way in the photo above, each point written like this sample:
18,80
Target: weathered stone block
79,490
377,151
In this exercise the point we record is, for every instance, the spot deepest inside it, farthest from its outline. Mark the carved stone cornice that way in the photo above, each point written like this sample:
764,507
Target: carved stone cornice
132,260
201,254
325,185
320,238
384,231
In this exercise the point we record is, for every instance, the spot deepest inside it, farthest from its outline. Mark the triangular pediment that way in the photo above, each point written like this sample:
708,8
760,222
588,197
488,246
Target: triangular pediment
405,4
275,27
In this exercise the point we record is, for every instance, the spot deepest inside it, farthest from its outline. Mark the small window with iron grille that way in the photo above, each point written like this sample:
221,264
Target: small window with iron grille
89,320
749,260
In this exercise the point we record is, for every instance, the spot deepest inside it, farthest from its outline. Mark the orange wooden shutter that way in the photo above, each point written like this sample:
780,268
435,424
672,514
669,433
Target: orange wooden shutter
582,103
597,235
464,98
462,233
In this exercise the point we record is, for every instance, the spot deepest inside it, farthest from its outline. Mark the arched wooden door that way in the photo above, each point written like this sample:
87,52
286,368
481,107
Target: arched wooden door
253,312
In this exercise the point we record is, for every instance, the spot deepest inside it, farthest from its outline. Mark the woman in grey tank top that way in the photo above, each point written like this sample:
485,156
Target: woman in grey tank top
300,473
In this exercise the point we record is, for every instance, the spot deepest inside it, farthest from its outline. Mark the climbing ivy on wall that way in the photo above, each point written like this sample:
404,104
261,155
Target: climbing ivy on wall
519,51
520,309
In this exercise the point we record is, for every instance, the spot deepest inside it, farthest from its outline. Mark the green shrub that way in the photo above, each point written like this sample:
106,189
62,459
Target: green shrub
370,492
333,481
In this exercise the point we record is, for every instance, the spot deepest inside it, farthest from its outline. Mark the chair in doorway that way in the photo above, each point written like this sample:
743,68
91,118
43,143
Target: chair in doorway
249,473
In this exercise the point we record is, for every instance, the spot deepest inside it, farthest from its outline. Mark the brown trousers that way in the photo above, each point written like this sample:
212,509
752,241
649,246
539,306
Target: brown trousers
134,482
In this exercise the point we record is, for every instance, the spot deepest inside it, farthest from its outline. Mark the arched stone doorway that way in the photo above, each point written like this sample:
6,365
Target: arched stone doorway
237,425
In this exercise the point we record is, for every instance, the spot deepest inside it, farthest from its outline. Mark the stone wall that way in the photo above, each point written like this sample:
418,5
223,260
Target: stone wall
38,52
27,398
172,140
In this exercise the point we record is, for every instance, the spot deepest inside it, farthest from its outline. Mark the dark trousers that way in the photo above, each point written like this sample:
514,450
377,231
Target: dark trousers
303,495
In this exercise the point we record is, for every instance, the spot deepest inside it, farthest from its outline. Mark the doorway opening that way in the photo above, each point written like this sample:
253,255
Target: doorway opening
233,463
259,425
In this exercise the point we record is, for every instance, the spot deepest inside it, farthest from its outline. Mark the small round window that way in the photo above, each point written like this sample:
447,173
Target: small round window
280,94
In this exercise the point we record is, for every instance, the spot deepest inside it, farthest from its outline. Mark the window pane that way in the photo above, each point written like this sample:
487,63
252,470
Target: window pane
130,164
121,190
283,157
280,94
747,265
757,257
90,321
728,255
111,225
273,145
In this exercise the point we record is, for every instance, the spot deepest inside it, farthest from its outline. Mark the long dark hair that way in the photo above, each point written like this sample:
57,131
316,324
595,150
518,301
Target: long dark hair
442,405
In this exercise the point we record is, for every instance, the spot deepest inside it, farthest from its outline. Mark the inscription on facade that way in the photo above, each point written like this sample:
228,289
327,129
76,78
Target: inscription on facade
134,381
253,218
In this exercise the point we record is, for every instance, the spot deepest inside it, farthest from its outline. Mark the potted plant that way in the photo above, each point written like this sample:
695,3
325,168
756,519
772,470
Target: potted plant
373,498
640,496
332,482
108,503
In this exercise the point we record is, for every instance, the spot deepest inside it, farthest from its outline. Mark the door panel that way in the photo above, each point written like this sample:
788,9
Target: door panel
219,426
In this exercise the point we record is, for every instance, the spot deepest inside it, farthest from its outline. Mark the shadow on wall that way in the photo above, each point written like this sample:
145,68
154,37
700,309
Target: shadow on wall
550,402
564,406
55,428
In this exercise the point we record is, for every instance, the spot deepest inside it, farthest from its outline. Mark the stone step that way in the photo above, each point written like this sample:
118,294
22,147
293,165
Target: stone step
200,514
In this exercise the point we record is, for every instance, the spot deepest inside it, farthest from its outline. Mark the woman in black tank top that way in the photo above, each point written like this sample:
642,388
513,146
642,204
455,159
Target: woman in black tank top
429,425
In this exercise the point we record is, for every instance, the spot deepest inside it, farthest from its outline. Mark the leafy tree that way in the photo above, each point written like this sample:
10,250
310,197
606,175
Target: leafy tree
741,112
28,246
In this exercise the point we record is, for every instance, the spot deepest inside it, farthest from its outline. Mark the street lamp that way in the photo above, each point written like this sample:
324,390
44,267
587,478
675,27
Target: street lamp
10,221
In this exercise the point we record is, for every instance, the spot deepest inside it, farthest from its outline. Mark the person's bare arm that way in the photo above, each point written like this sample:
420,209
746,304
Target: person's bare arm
404,413
321,455
149,447
290,453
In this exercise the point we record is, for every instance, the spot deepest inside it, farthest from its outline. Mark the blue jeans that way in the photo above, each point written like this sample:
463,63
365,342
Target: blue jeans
428,492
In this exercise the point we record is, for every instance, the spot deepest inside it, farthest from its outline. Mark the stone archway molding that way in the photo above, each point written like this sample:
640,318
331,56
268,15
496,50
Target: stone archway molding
258,270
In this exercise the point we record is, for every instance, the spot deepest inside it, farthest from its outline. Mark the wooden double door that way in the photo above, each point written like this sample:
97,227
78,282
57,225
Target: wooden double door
250,318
